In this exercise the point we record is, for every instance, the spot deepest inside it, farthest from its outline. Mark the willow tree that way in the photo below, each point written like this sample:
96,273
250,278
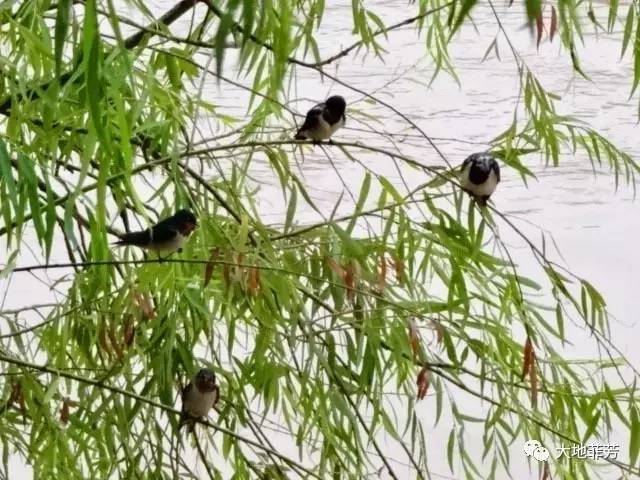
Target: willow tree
325,337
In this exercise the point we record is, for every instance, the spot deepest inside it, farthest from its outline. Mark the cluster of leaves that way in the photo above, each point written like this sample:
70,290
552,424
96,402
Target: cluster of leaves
307,327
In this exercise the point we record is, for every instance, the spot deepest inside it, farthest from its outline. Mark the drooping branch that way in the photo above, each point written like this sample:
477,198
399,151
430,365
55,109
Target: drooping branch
167,409
317,66
165,20
383,31
437,171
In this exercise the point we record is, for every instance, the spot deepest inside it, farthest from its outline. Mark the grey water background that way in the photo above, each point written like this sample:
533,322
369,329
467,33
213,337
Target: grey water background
594,226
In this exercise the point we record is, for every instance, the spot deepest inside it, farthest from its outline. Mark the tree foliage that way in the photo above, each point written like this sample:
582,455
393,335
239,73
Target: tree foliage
311,329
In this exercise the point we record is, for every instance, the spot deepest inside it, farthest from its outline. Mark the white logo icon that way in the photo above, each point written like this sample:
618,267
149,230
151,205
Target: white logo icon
533,448
541,454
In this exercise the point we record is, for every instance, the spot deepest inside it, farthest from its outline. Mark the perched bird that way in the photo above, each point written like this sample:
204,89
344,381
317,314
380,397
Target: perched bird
323,120
480,176
166,236
198,397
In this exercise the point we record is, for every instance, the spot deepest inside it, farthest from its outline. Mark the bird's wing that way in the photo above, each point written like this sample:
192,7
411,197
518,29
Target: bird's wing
496,168
165,230
185,418
185,393
311,120
217,390
187,389
141,239
169,222
328,118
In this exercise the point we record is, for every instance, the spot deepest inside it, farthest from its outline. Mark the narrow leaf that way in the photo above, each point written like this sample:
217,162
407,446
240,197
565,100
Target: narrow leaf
382,274
62,26
423,383
554,23
414,337
628,28
466,7
335,267
539,29
208,269
634,441
533,378
528,350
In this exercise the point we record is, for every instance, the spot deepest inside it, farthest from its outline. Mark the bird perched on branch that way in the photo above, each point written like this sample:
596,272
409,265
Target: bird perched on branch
479,176
198,397
167,236
323,120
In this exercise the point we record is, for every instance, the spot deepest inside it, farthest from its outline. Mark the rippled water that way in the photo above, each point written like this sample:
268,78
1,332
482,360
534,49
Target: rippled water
594,226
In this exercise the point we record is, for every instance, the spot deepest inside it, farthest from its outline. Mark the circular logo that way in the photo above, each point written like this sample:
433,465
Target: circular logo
541,454
530,446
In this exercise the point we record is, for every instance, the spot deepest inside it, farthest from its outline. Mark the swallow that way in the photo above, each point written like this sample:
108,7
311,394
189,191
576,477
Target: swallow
323,120
198,397
167,236
479,176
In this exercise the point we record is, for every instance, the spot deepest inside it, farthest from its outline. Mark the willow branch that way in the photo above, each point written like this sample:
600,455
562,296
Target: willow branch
436,170
382,31
203,457
93,186
318,69
165,20
543,425
153,403
218,13
133,41
431,169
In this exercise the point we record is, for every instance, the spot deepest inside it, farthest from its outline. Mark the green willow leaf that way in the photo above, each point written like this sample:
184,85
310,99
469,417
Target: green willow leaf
636,61
6,174
61,30
362,198
30,179
291,209
628,28
224,28
634,440
465,9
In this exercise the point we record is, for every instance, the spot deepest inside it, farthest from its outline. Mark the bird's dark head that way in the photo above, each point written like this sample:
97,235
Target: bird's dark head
336,105
206,380
186,221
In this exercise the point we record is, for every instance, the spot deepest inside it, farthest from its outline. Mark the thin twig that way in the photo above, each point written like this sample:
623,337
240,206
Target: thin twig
153,403
382,31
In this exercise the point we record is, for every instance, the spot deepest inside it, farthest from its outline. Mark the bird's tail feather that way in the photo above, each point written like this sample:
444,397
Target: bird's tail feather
186,421
134,238
482,201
